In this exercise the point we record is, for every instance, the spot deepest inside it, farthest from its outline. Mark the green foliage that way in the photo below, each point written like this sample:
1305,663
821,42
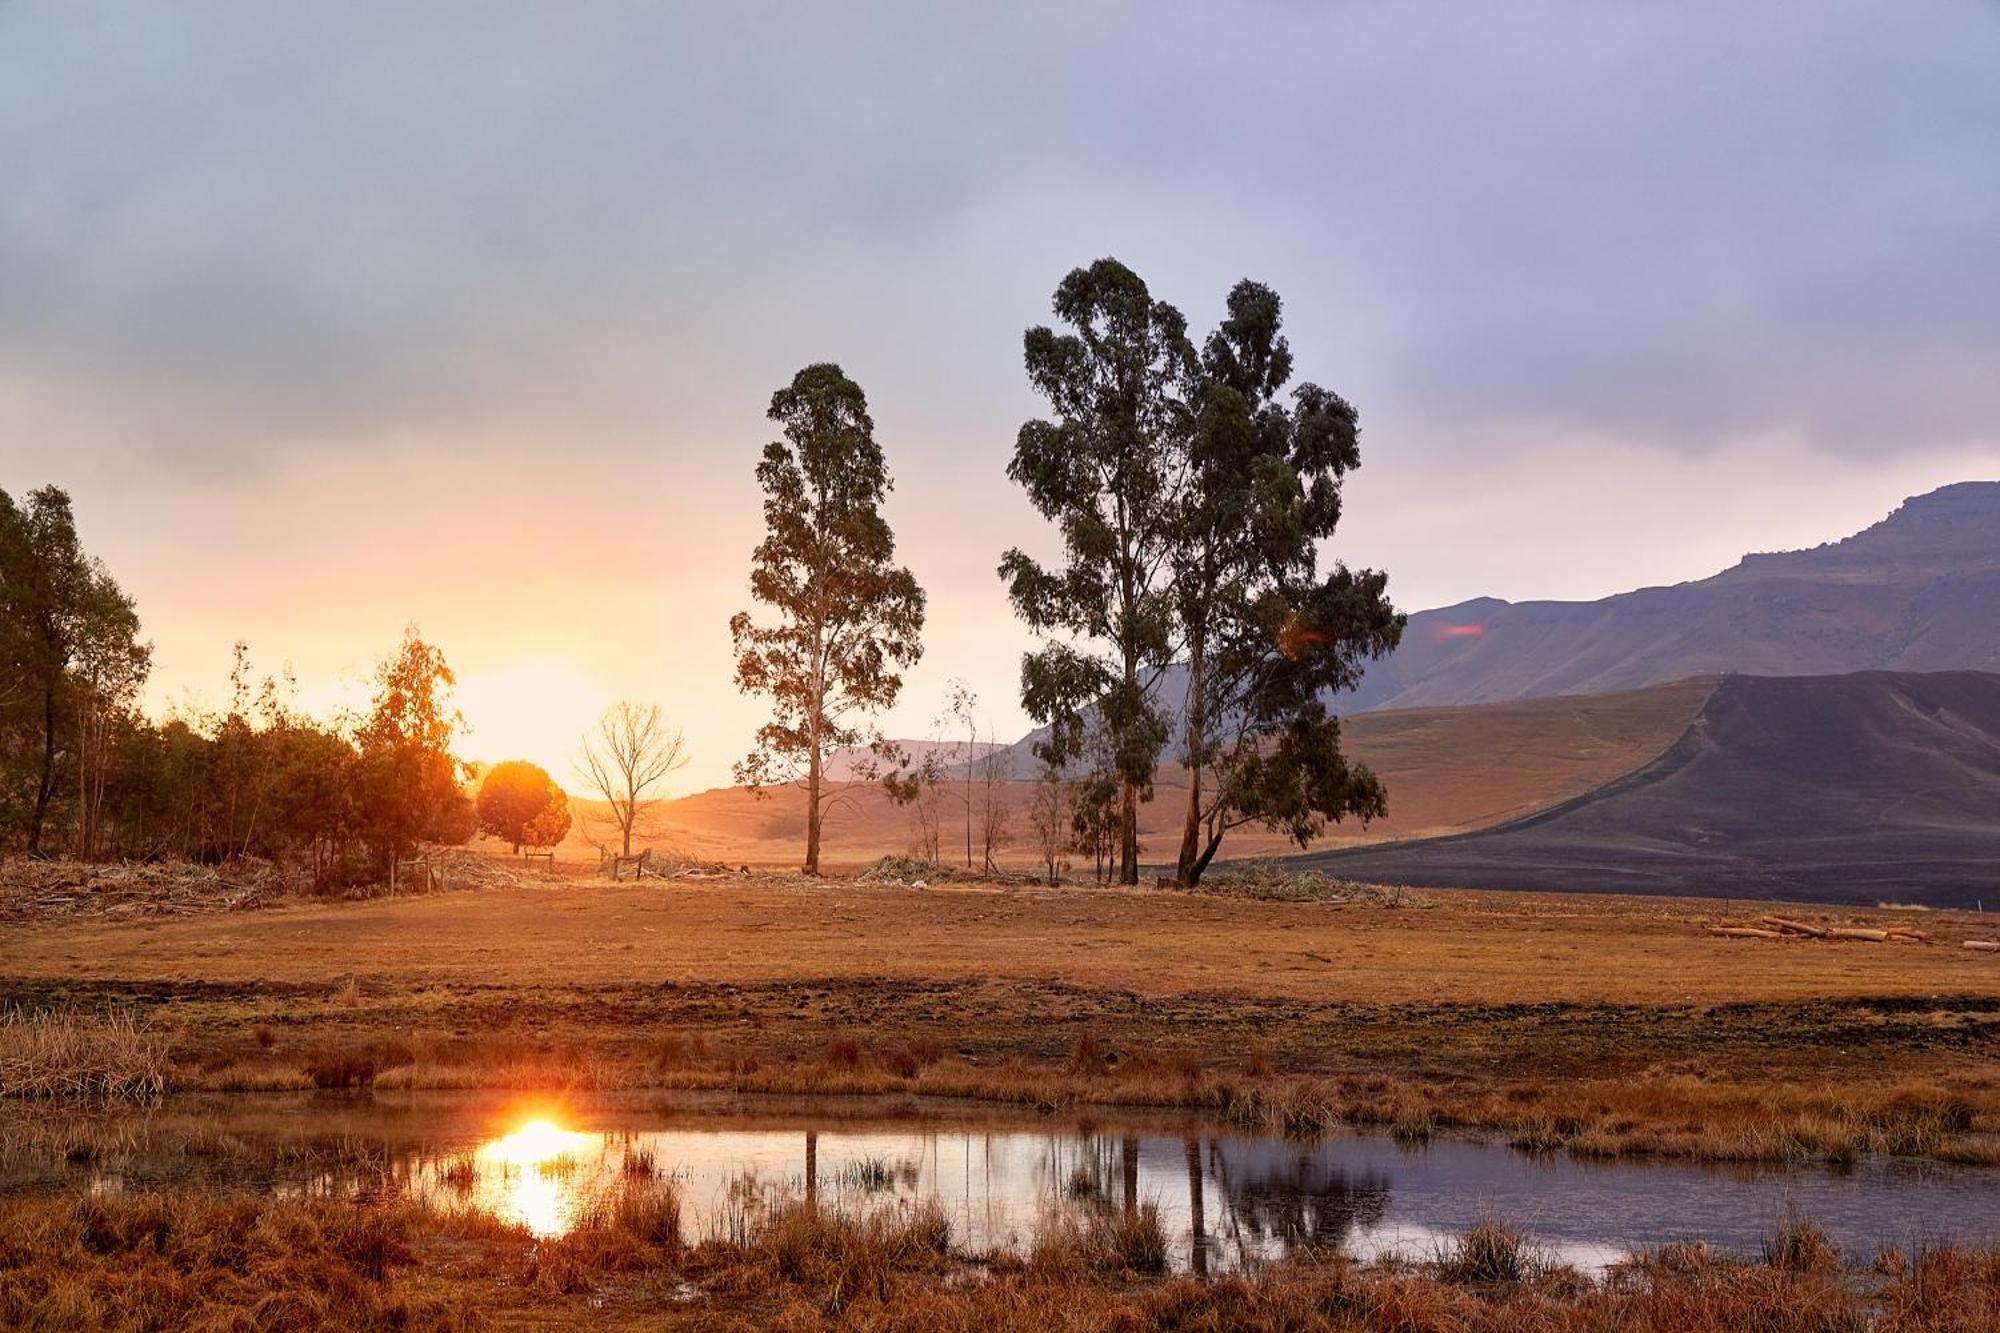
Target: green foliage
407,777
1267,637
1107,468
1192,500
71,666
847,619
520,805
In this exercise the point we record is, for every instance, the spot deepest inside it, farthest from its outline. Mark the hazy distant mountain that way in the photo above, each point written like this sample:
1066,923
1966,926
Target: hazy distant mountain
844,765
1919,591
1876,785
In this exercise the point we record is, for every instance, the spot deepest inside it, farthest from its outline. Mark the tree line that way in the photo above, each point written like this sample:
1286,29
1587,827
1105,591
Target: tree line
84,773
1191,493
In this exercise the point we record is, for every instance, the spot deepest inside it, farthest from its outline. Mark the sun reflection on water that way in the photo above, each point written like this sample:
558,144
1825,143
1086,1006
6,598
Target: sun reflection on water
539,1175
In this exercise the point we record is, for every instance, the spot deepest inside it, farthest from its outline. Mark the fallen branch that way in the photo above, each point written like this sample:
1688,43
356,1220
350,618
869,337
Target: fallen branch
1745,933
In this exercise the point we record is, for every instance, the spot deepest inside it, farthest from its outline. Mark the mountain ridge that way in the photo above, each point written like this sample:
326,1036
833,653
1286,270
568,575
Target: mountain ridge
1856,787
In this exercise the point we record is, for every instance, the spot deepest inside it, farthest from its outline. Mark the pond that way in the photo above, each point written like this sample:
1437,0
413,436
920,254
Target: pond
1224,1196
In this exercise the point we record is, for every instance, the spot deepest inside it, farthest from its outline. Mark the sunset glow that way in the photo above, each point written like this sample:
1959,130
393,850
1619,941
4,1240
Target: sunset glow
535,709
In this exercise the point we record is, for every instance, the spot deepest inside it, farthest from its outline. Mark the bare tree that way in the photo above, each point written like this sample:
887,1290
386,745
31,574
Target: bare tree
995,767
633,752
1050,818
960,702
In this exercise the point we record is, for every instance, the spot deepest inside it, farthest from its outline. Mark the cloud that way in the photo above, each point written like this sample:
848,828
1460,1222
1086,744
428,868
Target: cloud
254,231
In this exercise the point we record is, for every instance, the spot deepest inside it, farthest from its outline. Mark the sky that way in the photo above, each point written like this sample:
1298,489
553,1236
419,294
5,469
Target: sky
336,318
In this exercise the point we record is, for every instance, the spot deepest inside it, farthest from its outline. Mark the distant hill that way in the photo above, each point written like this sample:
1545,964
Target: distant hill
1861,787
844,765
1919,591
1448,770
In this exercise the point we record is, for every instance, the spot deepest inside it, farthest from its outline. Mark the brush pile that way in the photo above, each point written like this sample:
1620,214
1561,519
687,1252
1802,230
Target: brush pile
454,868
1279,881
1784,927
42,890
909,871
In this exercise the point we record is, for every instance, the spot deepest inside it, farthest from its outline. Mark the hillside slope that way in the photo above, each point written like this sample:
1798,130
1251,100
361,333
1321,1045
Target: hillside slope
1868,786
1447,770
1919,591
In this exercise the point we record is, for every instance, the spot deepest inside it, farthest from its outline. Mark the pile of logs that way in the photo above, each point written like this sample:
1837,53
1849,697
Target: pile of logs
1780,927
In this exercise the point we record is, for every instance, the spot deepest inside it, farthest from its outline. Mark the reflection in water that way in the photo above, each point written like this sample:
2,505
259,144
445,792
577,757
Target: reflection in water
531,1176
1301,1200
1223,1198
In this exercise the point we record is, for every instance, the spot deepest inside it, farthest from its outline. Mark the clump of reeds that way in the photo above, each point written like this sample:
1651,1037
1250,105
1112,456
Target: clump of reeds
1799,1246
1129,1240
1489,1251
65,1053
829,1257
843,1053
460,1173
342,1067
159,1261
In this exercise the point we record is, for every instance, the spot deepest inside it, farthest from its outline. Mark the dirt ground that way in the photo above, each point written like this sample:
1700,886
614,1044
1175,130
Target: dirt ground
1456,984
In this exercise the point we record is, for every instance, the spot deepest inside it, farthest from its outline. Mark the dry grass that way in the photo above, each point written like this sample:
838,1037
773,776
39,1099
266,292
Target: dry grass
64,1053
1603,1026
156,1262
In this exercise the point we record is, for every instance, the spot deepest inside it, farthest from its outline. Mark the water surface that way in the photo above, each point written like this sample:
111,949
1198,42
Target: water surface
1224,1196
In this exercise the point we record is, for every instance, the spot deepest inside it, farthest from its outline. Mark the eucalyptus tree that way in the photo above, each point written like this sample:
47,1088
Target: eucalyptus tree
1108,468
70,639
1268,638
848,620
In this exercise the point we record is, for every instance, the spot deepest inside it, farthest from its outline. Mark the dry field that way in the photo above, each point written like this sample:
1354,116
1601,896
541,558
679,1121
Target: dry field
1605,1024
1449,770
172,1261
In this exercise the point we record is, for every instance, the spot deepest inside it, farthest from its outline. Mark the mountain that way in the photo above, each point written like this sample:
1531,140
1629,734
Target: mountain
1862,787
1919,591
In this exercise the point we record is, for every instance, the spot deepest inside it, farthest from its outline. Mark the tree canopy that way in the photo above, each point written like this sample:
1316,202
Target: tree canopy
519,804
846,618
1192,500
1108,468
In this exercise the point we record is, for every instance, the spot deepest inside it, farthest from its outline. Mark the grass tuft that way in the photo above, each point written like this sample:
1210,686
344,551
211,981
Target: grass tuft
67,1054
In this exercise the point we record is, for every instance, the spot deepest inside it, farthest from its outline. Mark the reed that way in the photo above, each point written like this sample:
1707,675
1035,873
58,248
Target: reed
67,1054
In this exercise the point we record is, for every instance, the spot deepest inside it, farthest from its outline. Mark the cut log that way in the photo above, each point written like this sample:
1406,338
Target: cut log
1984,946
1745,933
1791,927
1857,933
1909,933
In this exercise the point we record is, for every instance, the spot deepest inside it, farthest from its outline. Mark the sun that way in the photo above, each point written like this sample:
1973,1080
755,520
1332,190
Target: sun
536,709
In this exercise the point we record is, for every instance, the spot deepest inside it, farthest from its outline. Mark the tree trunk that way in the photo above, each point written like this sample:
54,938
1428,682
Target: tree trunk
1201,862
1128,834
45,790
812,811
631,817
1185,871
